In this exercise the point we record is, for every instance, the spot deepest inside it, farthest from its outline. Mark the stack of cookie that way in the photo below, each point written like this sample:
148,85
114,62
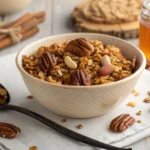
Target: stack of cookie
114,17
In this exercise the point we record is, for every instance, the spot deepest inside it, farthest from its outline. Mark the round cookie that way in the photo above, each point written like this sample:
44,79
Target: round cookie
114,17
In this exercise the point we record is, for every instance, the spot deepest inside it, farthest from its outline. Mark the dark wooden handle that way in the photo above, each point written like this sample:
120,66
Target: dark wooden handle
67,132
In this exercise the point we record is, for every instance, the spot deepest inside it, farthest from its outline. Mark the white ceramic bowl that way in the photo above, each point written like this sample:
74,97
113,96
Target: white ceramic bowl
82,101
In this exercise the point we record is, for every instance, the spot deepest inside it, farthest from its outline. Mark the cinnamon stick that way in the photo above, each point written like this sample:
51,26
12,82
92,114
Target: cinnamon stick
40,14
7,41
28,25
17,23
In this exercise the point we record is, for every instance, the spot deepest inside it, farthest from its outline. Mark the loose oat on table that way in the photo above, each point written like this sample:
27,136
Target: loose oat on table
64,120
33,148
137,94
3,96
133,91
131,104
30,97
79,126
94,61
139,121
139,113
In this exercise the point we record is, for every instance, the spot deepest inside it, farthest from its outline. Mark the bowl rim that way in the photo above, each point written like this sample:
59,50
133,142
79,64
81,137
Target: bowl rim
140,69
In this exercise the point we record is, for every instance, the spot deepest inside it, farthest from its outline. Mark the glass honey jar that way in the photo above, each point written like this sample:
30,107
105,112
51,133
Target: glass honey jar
145,29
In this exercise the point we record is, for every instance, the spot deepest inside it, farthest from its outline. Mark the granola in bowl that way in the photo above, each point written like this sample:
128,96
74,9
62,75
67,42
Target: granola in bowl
79,62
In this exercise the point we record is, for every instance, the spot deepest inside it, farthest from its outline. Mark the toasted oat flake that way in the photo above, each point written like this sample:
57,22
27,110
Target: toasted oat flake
131,104
30,97
33,148
139,113
79,126
139,121
63,120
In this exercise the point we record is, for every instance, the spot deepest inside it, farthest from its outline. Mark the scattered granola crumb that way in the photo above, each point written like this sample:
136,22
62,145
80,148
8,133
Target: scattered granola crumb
149,93
139,113
63,120
147,100
131,104
137,94
133,91
33,148
30,97
139,121
79,126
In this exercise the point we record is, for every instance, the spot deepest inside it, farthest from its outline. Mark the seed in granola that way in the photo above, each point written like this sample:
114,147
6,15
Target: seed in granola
139,121
147,100
60,73
131,104
139,113
79,126
70,63
33,148
30,97
105,70
64,120
105,60
90,62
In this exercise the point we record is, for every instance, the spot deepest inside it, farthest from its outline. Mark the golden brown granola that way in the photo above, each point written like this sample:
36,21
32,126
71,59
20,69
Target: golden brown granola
63,120
3,96
79,126
60,73
30,97
33,148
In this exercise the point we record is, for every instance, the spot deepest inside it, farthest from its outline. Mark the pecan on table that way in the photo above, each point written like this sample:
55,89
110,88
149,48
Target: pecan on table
79,77
121,123
9,131
47,60
80,47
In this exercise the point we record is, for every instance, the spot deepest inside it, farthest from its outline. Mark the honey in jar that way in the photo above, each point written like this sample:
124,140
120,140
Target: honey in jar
145,29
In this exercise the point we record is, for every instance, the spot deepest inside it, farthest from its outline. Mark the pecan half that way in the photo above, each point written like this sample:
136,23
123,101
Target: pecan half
79,77
47,60
133,63
80,47
121,123
8,130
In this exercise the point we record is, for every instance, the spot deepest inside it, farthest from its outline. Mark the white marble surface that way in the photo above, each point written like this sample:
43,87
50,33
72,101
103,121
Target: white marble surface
57,22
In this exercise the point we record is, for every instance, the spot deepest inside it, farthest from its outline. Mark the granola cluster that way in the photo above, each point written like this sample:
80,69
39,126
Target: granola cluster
79,62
